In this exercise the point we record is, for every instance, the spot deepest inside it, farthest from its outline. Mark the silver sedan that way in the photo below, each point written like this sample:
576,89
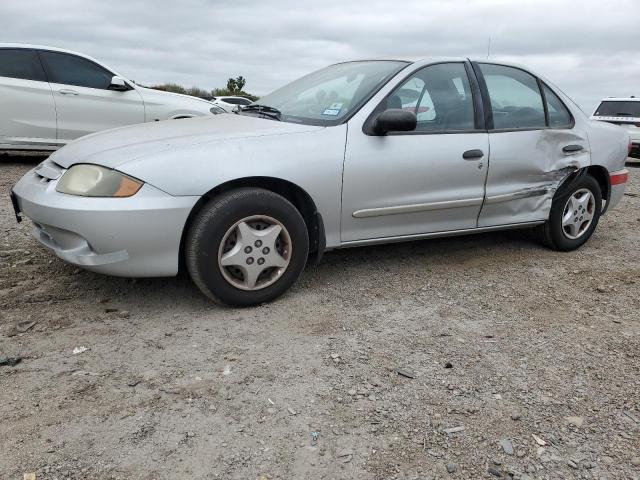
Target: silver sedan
356,153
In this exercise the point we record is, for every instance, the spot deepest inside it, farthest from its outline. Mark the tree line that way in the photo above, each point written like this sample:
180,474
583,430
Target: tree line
235,87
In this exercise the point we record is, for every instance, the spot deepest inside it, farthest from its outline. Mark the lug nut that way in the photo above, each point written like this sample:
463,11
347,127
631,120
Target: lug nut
247,249
250,261
265,250
258,243
260,261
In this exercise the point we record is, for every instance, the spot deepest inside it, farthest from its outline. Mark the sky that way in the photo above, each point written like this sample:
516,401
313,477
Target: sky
588,48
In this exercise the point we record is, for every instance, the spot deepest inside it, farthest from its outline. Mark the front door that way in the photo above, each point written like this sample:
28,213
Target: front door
83,100
428,180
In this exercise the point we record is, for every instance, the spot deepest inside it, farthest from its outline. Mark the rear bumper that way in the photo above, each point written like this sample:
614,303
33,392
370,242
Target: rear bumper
619,181
137,236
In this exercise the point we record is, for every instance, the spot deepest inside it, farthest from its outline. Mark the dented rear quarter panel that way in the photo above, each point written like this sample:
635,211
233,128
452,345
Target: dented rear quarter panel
609,145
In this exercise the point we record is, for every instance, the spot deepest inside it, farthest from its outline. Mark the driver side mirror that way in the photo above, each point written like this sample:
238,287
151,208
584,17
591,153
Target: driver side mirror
395,120
118,84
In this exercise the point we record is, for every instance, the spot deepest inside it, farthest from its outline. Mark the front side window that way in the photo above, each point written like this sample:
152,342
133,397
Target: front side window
559,115
21,63
516,102
69,69
328,96
439,95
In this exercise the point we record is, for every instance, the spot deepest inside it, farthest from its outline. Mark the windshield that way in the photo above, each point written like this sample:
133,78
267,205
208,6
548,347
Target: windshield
615,108
328,96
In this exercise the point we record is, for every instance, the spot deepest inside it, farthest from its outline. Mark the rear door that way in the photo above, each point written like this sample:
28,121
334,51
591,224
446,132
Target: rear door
534,144
84,102
28,115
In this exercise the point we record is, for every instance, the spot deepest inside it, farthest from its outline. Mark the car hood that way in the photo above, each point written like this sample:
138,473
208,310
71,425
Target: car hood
160,96
116,147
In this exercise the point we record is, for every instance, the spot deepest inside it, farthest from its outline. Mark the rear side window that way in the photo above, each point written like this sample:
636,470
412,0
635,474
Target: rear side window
20,63
72,70
559,115
618,108
516,101
440,97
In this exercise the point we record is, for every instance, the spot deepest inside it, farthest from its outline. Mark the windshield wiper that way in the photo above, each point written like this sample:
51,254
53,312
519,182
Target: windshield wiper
265,110
623,114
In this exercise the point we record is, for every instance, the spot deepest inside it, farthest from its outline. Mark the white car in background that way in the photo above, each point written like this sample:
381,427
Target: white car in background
229,104
624,112
50,96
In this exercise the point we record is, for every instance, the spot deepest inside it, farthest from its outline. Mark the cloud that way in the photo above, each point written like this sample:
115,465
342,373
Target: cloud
587,48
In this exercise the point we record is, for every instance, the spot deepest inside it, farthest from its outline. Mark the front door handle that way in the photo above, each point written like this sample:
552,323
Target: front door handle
66,91
572,148
473,154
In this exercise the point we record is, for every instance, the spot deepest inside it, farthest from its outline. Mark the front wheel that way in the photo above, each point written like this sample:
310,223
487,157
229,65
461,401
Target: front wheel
246,247
574,215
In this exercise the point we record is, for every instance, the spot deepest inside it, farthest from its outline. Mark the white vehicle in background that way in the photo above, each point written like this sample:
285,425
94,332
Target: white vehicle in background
229,104
624,112
50,96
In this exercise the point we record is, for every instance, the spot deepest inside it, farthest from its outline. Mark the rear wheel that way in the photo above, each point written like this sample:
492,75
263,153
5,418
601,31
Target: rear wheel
574,214
246,247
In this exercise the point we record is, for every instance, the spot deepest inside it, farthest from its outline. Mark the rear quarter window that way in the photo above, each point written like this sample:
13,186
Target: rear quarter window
559,115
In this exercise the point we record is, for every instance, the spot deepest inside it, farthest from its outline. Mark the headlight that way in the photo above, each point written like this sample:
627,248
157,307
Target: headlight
95,181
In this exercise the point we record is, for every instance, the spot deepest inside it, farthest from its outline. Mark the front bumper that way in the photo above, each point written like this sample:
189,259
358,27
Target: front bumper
635,150
138,236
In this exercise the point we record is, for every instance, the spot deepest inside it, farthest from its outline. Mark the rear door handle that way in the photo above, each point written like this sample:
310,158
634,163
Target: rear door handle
473,154
66,91
572,148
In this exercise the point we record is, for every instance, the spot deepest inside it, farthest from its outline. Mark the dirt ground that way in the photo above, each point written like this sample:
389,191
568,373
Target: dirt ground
516,362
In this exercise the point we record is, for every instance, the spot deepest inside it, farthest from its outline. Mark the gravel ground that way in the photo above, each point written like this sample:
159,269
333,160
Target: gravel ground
515,362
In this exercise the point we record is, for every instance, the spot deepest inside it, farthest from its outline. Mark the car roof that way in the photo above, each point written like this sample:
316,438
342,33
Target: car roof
420,60
61,50
41,47
621,99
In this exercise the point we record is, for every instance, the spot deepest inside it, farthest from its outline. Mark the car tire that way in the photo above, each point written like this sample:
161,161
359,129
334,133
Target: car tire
242,232
568,227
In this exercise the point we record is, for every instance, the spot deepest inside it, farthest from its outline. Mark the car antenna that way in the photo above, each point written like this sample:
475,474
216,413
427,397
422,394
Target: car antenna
489,48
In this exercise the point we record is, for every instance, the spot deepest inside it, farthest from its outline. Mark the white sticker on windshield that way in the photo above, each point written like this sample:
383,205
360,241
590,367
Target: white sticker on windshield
334,109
